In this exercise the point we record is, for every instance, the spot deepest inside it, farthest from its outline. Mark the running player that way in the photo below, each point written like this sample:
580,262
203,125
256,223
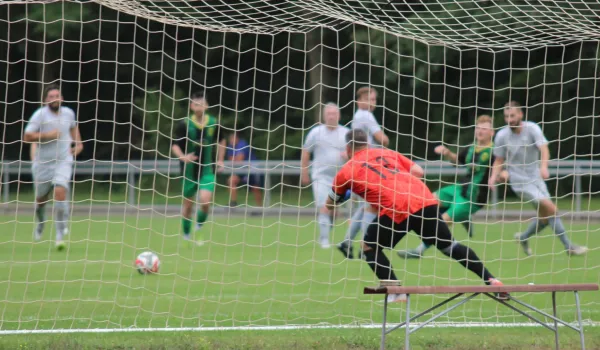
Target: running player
194,145
523,148
327,144
54,132
385,179
366,102
459,202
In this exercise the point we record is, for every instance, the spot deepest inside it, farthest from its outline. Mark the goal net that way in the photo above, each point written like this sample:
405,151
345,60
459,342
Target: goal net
128,68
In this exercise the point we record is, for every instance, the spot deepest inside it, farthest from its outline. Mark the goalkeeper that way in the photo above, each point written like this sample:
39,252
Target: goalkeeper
389,182
194,145
460,201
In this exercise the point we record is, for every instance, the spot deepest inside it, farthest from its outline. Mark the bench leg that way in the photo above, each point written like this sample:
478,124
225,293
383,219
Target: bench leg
385,306
407,326
555,323
579,319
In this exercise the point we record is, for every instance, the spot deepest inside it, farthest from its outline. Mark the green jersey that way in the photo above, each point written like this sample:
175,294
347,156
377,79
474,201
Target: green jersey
478,161
200,138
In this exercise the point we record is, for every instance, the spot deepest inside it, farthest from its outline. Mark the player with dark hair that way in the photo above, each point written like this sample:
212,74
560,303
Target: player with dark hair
384,179
522,147
196,138
54,135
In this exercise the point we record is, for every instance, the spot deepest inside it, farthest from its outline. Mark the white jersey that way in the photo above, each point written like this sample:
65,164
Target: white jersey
521,151
328,148
365,120
44,120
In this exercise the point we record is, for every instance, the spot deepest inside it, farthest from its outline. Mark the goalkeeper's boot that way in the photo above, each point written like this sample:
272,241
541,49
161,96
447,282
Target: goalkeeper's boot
500,295
577,250
188,238
346,249
410,254
468,225
524,244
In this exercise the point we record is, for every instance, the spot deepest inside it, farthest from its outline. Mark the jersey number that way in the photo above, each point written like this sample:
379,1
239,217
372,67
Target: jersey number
386,165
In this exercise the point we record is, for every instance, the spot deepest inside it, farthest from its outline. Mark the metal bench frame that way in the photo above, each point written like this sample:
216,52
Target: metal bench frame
472,292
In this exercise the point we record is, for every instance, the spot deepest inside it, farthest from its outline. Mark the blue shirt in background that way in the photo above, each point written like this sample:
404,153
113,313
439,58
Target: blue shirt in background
241,147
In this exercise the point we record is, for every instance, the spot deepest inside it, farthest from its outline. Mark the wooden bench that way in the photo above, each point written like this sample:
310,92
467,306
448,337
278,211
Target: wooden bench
472,292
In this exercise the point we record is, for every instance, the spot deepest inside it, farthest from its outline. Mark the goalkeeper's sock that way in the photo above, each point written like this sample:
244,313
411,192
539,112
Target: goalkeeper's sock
324,226
367,219
200,218
379,263
467,258
354,228
60,215
186,225
559,230
534,227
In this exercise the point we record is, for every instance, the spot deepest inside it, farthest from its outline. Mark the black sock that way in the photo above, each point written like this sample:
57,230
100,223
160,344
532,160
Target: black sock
380,264
467,258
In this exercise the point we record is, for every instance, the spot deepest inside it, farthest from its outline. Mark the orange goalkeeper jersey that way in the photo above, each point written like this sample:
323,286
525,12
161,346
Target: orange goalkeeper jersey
382,177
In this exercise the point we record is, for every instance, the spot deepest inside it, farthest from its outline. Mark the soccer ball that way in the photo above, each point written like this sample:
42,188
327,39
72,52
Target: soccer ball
147,262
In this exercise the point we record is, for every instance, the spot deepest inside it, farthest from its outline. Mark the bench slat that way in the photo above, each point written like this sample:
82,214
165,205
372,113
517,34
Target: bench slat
482,289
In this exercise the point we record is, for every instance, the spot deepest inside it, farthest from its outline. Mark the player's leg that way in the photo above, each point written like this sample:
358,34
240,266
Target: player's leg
353,229
60,214
382,233
190,189
62,184
548,210
257,184
233,182
42,180
207,188
321,188
433,230
446,197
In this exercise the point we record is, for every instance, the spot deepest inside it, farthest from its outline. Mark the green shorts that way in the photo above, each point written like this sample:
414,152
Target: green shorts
456,205
193,182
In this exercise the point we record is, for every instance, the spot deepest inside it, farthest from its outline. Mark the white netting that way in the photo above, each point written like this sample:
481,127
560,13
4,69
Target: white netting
127,68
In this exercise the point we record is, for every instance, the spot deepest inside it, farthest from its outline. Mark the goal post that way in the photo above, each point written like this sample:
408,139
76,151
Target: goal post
128,69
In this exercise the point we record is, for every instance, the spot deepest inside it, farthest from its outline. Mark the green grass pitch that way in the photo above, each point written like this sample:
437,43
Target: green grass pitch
257,271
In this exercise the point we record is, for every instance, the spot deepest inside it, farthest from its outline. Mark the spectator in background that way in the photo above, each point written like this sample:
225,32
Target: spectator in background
239,150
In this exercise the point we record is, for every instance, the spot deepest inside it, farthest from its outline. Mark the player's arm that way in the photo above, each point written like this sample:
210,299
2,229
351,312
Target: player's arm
381,138
447,154
305,158
544,158
76,137
179,145
33,134
497,167
32,149
408,165
340,189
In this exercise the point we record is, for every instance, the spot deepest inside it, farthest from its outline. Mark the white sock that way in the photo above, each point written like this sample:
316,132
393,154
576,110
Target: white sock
324,226
367,219
355,224
60,217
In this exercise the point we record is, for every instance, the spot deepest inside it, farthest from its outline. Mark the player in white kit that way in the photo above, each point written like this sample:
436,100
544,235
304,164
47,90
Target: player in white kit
54,132
366,102
523,148
327,144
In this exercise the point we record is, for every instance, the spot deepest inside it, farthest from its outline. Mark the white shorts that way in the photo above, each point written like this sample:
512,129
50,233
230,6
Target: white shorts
321,188
48,175
531,190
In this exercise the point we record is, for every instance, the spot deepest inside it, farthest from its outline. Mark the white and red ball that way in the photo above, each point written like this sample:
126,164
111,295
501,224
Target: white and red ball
147,262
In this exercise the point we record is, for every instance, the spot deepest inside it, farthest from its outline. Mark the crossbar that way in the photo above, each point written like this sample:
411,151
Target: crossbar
538,288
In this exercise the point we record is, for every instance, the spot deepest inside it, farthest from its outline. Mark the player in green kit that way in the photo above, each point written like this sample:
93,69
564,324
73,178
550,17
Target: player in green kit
195,142
460,201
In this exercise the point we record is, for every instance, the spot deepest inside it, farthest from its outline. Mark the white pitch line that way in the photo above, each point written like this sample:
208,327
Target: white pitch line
270,328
